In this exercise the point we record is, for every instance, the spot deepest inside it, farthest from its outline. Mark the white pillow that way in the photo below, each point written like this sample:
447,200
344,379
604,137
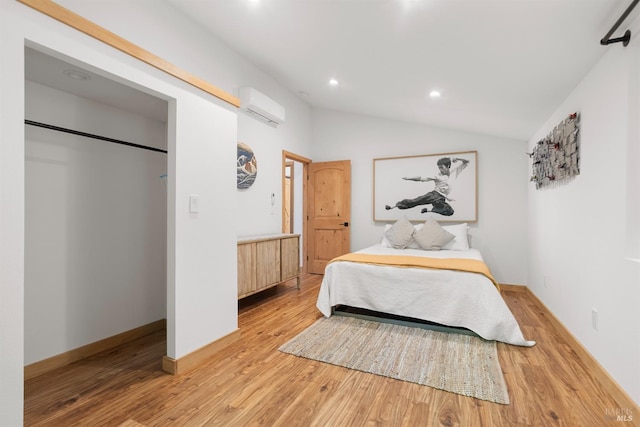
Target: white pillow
413,245
400,234
431,236
460,242
385,242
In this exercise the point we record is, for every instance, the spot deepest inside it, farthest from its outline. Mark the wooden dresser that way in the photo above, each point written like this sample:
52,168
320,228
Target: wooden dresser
267,260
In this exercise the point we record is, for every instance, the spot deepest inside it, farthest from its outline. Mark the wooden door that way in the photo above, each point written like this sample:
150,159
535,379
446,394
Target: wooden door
329,213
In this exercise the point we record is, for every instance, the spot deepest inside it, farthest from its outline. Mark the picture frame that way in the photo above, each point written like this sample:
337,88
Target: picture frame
424,186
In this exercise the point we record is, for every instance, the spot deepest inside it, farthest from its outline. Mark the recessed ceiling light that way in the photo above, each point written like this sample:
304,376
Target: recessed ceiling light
333,82
76,75
434,94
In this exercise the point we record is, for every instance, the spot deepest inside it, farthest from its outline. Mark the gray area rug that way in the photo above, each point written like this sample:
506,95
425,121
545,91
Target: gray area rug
457,363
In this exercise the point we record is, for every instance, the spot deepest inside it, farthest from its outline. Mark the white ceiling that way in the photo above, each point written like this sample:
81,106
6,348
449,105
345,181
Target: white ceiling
50,71
503,66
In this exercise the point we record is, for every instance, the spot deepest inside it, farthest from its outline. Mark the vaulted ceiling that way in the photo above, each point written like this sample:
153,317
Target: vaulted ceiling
502,66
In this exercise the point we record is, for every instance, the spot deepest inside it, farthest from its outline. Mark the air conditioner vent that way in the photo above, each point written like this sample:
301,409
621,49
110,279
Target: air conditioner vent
260,106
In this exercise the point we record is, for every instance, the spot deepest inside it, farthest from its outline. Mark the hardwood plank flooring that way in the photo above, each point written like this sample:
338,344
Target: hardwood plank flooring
251,383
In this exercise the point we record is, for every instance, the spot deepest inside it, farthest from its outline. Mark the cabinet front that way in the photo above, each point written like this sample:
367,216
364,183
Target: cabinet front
246,269
267,263
290,257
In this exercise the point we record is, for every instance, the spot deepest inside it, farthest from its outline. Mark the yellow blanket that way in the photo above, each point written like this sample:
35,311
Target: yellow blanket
456,264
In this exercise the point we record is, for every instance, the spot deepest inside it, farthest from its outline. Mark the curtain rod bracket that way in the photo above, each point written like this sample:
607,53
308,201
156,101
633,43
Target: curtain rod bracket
607,40
624,39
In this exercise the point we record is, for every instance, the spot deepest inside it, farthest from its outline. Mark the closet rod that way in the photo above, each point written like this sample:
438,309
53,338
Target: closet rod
606,40
89,135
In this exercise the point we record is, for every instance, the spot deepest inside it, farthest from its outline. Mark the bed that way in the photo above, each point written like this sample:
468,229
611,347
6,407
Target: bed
453,297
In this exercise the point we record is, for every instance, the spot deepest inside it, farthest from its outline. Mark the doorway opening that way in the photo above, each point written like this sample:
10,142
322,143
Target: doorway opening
289,197
294,200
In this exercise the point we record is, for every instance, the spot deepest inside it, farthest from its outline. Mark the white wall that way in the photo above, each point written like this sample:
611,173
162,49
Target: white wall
583,232
95,227
161,29
204,273
254,212
500,232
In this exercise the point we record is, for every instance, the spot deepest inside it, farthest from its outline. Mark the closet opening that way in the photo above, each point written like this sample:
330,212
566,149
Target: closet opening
95,211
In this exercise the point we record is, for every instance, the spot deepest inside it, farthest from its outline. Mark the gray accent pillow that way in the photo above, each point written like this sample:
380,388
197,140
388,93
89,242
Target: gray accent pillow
400,234
432,237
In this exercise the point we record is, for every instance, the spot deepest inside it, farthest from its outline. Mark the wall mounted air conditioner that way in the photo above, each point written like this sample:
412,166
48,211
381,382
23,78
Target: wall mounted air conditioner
260,106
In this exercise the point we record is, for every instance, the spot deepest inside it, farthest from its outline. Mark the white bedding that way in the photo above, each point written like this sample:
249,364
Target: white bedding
452,298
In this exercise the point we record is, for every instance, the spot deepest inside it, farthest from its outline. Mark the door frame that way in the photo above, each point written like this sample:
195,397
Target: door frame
286,157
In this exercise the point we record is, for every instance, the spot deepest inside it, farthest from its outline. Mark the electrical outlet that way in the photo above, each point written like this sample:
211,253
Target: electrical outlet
594,319
545,281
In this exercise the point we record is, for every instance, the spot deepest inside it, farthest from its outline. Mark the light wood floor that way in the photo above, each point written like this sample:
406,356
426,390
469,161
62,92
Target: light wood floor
252,383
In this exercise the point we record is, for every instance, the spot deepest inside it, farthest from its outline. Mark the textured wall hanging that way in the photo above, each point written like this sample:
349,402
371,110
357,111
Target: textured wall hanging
247,166
557,157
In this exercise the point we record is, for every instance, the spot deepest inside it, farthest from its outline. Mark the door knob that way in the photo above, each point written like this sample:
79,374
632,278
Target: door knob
346,224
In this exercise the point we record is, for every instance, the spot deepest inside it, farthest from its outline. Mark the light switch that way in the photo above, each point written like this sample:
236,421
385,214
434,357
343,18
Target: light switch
194,203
